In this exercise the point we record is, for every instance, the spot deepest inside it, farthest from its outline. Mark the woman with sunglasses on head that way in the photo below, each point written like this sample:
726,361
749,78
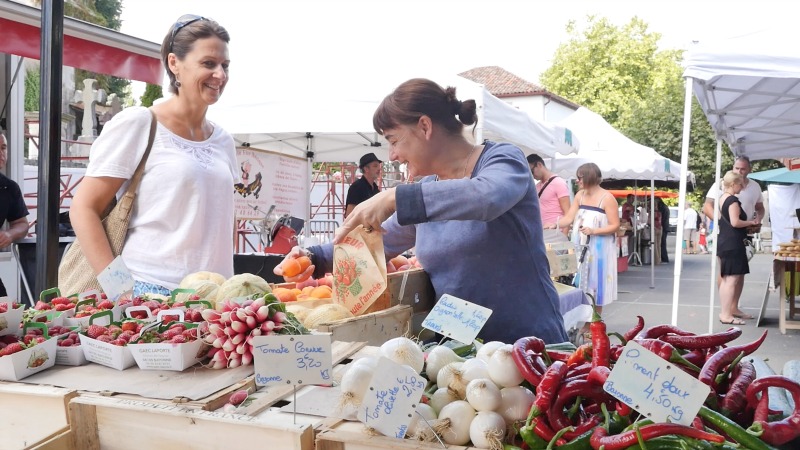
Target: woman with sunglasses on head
595,220
183,217
473,219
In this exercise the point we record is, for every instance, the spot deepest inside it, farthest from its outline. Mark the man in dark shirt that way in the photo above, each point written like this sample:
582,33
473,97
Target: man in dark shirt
366,186
664,228
12,208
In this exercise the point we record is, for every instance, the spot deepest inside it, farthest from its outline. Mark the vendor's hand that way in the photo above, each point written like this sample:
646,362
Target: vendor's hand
294,253
370,213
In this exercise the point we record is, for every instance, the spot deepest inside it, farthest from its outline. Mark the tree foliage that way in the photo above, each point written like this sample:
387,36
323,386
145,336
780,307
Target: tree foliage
619,73
152,92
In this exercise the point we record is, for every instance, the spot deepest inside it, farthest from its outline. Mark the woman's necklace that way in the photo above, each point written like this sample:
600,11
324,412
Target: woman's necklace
466,163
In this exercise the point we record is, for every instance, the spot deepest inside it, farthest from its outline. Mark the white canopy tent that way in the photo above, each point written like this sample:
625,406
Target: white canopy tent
749,89
331,129
616,155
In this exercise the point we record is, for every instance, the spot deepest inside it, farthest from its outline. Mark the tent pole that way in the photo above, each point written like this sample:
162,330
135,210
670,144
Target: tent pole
653,233
713,290
687,128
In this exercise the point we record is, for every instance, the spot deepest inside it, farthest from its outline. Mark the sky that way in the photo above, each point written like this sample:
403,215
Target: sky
367,47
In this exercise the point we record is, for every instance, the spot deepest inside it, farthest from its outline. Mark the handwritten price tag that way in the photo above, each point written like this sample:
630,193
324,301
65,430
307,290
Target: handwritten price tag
391,399
116,280
456,318
654,387
292,360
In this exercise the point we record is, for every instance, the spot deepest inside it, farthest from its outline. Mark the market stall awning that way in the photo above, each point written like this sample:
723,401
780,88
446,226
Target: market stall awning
623,193
780,175
86,46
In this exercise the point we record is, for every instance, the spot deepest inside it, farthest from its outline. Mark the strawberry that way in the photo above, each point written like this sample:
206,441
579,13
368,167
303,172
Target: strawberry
104,338
66,342
119,342
190,334
179,339
62,307
60,301
42,306
130,326
12,348
171,333
95,331
105,304
178,326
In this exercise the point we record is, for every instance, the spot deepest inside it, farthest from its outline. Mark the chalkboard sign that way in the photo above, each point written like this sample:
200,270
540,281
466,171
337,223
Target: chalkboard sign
654,387
392,398
292,360
456,318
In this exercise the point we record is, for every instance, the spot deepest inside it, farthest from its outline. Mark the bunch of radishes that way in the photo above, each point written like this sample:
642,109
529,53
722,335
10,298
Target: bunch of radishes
231,331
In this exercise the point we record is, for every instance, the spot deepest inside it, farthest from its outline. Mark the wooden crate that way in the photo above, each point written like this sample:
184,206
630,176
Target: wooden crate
373,328
338,434
417,293
115,424
30,414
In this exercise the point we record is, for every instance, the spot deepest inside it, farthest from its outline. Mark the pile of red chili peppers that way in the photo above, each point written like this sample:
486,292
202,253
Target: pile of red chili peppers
571,411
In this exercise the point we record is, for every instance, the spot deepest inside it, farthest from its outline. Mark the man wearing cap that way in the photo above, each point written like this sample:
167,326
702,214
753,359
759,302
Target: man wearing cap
366,186
12,207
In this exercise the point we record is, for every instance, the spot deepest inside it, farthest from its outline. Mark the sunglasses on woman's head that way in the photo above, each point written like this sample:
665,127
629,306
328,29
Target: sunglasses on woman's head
184,20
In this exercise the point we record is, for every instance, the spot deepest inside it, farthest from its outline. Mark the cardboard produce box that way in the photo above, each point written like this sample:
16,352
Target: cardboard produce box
167,356
32,360
410,287
10,320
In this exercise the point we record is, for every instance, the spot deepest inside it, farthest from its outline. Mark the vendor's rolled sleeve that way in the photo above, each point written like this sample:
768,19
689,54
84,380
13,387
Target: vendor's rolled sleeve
410,204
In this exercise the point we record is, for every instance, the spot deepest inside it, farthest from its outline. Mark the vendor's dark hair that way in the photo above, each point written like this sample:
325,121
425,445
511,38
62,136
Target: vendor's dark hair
535,159
590,174
421,97
183,40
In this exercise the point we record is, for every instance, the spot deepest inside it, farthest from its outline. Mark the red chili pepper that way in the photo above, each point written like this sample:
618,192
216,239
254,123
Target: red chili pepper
543,430
598,375
630,334
696,357
657,331
558,355
546,389
665,351
582,369
580,355
524,353
601,439
697,423
583,427
743,375
601,345
567,393
781,431
623,409
702,341
724,357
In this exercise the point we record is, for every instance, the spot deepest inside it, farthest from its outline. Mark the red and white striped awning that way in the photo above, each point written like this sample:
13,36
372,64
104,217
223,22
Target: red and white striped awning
86,46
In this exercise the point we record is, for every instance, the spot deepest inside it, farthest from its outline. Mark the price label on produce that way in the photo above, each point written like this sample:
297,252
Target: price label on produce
654,387
116,280
292,360
456,318
391,398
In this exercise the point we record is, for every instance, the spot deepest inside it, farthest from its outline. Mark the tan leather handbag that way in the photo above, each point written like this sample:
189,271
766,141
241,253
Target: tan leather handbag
75,275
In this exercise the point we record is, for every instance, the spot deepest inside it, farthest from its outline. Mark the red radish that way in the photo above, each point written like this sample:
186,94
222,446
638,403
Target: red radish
251,322
247,358
238,397
238,338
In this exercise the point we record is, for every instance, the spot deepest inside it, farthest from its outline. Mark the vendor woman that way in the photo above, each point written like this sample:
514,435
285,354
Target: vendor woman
473,219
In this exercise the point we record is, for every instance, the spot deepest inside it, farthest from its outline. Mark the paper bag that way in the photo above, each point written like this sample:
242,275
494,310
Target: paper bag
359,270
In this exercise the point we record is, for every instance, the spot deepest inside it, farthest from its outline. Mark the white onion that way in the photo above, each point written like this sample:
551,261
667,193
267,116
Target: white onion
452,377
487,430
442,397
455,420
423,413
438,357
502,368
515,403
475,368
355,382
483,394
403,350
487,349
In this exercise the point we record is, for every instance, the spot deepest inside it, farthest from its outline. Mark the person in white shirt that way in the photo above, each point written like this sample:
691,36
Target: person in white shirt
183,216
689,229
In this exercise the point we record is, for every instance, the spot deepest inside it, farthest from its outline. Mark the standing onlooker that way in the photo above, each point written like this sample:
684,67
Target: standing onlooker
365,187
183,215
595,222
657,233
732,256
552,189
664,210
689,229
12,208
750,196
627,219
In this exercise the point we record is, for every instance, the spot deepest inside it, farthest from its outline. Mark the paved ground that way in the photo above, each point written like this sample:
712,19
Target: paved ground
655,305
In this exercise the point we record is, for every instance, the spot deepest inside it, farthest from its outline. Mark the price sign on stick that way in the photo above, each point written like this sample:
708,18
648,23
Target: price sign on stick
656,388
292,360
391,398
456,318
116,280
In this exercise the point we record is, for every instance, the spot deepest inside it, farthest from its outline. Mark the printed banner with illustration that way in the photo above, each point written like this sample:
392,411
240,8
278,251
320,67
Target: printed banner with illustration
268,179
359,270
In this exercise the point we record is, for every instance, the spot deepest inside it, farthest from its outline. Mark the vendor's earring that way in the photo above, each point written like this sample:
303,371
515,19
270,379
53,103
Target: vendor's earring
177,83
